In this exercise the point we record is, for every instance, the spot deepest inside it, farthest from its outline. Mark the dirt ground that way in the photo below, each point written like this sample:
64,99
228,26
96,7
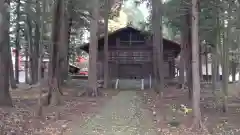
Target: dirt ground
22,118
169,120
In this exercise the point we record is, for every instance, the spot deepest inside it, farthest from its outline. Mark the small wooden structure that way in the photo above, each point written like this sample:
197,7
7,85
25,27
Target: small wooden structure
130,55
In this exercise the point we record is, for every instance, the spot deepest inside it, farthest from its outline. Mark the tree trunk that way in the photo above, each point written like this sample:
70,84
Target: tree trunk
214,70
200,63
195,66
92,76
106,68
69,23
63,47
182,61
189,54
54,74
225,60
26,63
66,67
28,52
5,98
17,42
158,43
35,55
225,75
218,45
206,63
11,71
41,67
215,65
189,70
28,38
234,71
154,54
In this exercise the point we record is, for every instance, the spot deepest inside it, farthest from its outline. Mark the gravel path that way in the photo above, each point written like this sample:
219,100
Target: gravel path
123,115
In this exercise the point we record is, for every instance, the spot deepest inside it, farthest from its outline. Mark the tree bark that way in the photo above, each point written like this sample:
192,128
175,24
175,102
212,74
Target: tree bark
106,67
189,54
158,43
26,63
28,51
63,46
70,9
28,38
11,71
5,98
214,70
182,62
41,45
35,55
200,63
215,65
154,55
54,74
225,60
225,74
195,66
66,67
92,76
234,70
206,63
17,43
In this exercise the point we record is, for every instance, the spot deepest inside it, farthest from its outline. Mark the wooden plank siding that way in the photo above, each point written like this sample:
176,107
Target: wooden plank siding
130,55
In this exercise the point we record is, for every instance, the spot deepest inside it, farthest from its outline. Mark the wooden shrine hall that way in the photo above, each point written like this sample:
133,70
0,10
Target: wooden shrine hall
130,55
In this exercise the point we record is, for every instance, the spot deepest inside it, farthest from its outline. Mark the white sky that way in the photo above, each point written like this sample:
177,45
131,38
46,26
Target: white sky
142,7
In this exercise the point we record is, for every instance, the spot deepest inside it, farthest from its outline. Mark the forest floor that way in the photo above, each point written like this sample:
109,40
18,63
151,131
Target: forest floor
123,115
22,119
78,110
170,121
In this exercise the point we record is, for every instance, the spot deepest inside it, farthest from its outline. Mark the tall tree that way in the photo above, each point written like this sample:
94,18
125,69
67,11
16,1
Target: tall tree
195,66
41,45
54,69
17,42
215,59
5,99
28,38
182,62
157,43
225,59
92,76
11,70
65,35
35,47
106,68
188,46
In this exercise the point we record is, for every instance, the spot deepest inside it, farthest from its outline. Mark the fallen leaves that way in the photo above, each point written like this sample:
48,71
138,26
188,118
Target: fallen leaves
21,119
165,113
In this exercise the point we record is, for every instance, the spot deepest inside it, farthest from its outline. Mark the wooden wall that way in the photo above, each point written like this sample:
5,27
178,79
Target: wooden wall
130,56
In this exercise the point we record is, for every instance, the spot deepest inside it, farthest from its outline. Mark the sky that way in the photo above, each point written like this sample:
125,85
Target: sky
142,7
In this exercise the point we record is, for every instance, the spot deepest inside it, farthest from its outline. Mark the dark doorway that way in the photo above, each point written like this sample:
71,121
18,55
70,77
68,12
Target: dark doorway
130,71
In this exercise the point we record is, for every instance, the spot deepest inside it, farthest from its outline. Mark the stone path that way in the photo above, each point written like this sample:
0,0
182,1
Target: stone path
123,115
